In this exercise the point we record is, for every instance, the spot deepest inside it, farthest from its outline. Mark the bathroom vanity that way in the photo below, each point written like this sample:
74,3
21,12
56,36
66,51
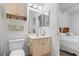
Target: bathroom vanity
39,45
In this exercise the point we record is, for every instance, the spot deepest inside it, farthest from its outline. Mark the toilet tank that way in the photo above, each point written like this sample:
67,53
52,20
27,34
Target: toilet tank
16,44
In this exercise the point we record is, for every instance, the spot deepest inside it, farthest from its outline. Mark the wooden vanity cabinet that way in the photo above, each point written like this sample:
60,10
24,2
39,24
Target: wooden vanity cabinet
40,46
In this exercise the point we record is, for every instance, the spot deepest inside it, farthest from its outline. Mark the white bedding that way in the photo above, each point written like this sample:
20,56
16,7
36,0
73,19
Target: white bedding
70,43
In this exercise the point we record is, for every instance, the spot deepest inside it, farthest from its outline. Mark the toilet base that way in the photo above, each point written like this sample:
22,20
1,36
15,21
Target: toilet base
19,52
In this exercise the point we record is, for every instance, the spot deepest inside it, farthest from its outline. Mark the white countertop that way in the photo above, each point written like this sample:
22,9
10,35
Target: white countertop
33,36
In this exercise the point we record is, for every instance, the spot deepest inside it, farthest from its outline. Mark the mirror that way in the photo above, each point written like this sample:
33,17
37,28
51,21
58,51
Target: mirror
32,21
44,19
38,17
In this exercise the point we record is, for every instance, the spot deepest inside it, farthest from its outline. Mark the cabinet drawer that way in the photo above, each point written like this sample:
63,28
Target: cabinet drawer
36,42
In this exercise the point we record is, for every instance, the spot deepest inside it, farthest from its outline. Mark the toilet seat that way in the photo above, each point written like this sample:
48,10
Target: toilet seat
17,53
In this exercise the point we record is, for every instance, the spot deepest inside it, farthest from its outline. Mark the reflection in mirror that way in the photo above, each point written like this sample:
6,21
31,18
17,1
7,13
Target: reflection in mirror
34,24
44,19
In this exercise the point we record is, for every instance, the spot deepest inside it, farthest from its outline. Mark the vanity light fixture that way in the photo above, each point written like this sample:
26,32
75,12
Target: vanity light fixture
35,6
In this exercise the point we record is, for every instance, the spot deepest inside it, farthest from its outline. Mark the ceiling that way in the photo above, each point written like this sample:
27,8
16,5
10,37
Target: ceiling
64,7
39,4
69,7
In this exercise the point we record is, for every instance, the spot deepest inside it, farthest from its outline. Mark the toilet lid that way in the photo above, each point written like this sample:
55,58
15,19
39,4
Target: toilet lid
17,53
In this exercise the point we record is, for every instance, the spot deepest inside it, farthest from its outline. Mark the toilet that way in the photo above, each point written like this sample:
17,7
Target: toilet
16,47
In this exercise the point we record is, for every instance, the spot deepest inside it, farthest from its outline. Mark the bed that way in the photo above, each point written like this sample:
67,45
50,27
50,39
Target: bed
69,42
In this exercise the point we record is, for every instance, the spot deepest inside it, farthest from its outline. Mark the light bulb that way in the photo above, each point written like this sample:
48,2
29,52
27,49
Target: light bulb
30,4
40,8
35,6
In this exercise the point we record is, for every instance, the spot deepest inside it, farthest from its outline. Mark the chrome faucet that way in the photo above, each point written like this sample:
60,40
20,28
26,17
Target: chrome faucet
43,32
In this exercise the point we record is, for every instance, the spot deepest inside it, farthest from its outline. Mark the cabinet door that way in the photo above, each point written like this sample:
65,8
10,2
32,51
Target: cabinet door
22,9
46,45
11,8
37,48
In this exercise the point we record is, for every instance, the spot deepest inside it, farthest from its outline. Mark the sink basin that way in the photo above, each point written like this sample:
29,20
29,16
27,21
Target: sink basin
33,36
